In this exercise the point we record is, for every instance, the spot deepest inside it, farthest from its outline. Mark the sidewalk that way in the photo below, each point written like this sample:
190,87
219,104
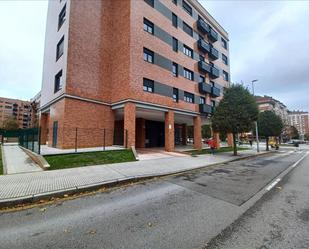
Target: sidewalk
19,187
17,161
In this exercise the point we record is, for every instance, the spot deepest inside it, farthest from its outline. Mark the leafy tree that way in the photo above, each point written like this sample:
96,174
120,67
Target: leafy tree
235,113
10,124
294,133
307,136
206,131
270,125
290,132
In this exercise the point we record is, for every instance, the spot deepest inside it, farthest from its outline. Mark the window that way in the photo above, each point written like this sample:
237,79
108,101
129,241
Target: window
148,85
225,76
148,26
60,48
175,94
150,2
187,29
148,55
175,44
202,58
174,20
187,8
213,103
187,51
58,81
224,59
175,2
188,74
61,17
175,69
223,43
188,97
202,78
202,100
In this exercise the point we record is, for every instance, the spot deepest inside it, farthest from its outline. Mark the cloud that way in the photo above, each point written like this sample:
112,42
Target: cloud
268,41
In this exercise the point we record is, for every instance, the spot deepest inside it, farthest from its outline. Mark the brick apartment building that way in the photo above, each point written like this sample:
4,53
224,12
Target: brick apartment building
267,103
299,119
143,69
17,109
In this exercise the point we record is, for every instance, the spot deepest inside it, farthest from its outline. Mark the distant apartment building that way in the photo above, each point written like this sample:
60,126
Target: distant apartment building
142,69
267,103
17,109
299,119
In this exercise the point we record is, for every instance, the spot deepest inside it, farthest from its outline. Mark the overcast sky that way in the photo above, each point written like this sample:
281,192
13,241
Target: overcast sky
269,41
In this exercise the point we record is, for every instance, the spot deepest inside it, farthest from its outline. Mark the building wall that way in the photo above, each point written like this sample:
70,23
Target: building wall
17,109
300,121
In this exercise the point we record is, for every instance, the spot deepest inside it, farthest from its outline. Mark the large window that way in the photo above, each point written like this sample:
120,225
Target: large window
225,76
175,2
58,81
175,44
60,48
175,94
188,74
174,20
187,29
187,51
187,7
148,85
148,26
175,69
202,100
150,2
224,59
61,17
188,97
148,55
223,43
202,78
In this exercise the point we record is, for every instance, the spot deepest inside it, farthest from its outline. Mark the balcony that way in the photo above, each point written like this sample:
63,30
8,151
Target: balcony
215,92
203,26
203,46
212,35
204,88
205,109
215,73
214,54
204,67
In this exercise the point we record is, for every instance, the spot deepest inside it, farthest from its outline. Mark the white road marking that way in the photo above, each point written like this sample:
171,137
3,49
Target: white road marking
273,184
302,158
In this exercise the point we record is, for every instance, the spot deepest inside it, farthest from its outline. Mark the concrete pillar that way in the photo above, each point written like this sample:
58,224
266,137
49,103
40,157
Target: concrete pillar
169,131
216,138
230,141
140,133
197,126
184,134
129,124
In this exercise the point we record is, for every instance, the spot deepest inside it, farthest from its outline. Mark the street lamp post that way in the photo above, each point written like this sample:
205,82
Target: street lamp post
256,126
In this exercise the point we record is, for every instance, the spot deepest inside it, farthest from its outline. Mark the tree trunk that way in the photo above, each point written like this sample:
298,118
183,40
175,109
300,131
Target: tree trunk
235,144
267,148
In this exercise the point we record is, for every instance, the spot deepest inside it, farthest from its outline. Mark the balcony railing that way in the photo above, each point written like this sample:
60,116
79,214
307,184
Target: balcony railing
204,88
203,26
205,109
215,92
203,46
212,35
204,67
215,73
214,54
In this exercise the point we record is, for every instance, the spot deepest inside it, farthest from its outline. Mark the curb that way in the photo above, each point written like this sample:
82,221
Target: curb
38,159
11,202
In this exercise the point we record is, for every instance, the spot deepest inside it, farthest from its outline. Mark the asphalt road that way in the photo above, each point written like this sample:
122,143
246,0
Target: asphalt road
280,220
182,211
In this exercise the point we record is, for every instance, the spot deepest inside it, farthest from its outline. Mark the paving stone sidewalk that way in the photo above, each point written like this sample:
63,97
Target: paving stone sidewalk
21,186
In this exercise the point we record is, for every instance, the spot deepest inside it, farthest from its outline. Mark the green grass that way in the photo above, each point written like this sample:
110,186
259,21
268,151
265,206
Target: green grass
89,158
208,151
1,165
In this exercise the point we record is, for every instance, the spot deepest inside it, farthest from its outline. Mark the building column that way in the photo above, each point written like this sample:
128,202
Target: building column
184,134
230,140
169,131
216,138
140,133
197,126
129,125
